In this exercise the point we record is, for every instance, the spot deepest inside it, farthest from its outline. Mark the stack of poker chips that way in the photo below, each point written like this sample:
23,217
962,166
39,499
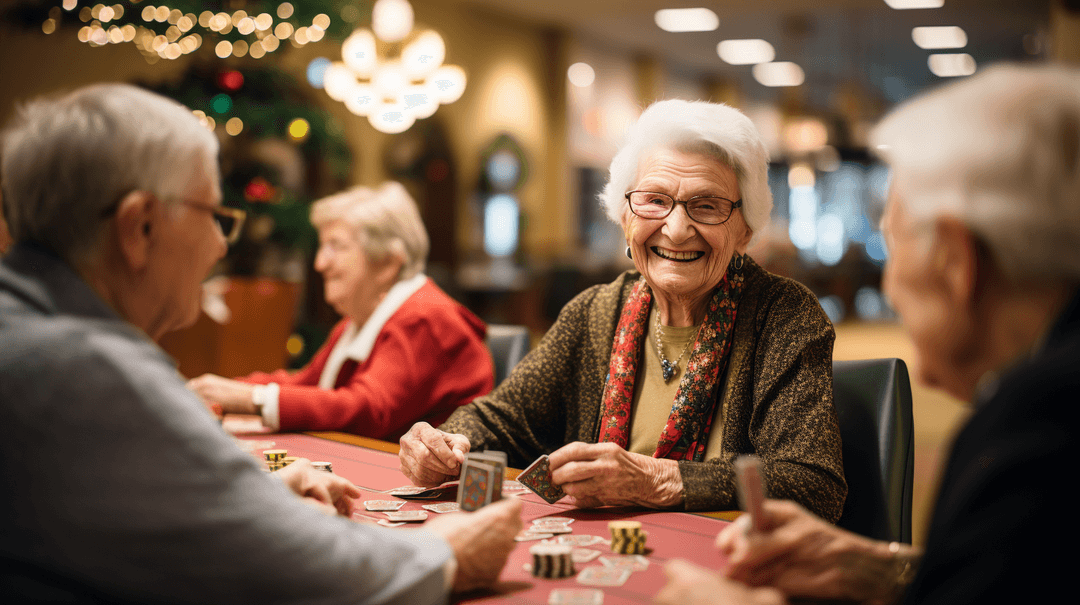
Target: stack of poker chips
552,561
287,460
627,537
275,459
322,466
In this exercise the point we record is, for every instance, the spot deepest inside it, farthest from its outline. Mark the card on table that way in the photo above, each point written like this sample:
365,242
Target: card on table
383,505
576,596
496,459
445,491
583,555
603,576
442,507
477,482
527,535
631,562
537,477
582,540
551,528
410,516
389,523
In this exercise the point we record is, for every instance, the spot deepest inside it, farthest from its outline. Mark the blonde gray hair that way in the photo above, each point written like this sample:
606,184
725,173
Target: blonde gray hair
68,160
386,222
714,129
999,151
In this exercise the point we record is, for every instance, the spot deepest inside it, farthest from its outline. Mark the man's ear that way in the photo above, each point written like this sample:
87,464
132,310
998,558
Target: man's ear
955,261
135,222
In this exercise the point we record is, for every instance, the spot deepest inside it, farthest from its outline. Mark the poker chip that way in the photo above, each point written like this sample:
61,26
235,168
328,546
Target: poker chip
322,466
275,459
552,561
627,537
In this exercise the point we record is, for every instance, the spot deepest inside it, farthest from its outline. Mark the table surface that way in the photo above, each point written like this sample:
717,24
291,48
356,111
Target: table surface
373,466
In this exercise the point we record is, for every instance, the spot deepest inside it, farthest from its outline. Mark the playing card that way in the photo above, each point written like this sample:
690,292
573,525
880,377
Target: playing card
407,515
584,555
563,520
603,576
388,523
576,596
442,507
446,491
537,477
581,540
631,562
496,459
477,480
382,505
527,535
510,485
551,528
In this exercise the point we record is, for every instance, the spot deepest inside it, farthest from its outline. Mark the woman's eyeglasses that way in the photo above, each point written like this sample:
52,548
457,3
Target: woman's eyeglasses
704,209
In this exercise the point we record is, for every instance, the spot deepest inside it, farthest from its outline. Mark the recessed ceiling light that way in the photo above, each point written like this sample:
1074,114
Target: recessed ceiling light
745,52
909,4
939,37
951,65
783,73
687,20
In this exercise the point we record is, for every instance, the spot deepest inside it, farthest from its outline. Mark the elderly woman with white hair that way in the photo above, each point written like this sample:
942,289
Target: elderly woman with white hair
983,227
646,389
404,350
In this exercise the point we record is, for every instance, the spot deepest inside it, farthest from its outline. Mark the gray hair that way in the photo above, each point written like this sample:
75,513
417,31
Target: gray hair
68,160
999,151
386,222
714,129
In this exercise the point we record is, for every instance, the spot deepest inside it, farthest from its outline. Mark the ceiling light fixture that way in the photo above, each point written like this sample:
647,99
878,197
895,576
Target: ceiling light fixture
687,20
948,36
782,73
951,65
910,4
745,52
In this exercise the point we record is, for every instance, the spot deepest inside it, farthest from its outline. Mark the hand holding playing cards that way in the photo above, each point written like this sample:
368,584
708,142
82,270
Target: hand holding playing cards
332,491
804,556
598,474
689,584
429,456
481,541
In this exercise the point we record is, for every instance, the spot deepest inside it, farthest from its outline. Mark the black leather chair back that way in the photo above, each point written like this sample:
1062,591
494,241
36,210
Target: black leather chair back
508,345
873,402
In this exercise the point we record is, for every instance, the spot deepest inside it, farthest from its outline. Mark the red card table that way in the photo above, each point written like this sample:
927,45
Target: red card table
373,466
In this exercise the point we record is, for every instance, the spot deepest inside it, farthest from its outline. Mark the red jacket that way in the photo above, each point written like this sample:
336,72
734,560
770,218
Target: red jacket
429,359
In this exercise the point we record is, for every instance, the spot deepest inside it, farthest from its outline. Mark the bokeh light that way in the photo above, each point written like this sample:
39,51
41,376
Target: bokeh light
299,129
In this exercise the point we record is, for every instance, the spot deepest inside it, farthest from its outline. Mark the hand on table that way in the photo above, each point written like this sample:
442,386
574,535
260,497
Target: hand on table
430,457
804,556
233,396
598,474
332,493
481,541
689,584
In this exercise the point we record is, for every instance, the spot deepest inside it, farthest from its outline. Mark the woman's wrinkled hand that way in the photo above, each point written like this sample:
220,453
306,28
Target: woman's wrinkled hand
429,456
233,396
603,474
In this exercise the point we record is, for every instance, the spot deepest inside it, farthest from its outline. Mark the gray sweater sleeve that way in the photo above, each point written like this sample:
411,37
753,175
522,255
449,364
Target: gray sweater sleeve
119,479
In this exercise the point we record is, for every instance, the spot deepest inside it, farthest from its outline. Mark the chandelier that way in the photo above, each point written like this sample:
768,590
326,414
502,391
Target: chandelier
391,74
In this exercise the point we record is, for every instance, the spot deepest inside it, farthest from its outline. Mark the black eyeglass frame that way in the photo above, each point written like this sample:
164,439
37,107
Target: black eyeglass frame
686,203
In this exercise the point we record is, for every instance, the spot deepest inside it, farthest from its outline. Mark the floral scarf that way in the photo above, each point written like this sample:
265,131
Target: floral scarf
687,430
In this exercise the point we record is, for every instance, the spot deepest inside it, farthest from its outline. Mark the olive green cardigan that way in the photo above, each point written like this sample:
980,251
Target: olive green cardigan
777,395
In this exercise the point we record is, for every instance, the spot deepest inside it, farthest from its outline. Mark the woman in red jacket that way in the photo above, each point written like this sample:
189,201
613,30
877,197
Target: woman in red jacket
404,350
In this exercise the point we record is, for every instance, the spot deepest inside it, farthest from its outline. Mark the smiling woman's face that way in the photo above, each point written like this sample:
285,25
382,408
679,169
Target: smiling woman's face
681,259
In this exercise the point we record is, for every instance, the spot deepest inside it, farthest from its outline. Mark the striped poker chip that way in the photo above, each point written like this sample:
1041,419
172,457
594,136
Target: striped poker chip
322,466
552,561
275,454
631,545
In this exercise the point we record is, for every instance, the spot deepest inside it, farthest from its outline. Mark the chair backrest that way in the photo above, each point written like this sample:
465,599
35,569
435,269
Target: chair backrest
508,345
873,402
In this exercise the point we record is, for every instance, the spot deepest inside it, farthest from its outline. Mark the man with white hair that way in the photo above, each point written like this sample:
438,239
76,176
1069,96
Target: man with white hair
120,487
983,227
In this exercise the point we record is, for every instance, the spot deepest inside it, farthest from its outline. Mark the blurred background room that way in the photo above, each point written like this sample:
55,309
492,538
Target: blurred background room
501,118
